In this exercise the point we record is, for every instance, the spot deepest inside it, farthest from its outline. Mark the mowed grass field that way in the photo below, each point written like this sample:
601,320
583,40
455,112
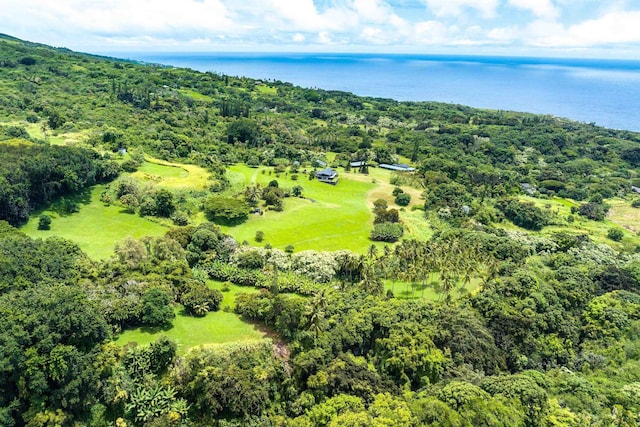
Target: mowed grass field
172,175
96,227
430,291
329,217
187,331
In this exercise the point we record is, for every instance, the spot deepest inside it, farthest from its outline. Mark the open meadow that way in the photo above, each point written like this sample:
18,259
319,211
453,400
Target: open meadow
96,227
327,217
188,331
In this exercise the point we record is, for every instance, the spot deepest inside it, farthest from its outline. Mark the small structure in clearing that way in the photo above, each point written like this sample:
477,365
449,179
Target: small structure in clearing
398,167
327,175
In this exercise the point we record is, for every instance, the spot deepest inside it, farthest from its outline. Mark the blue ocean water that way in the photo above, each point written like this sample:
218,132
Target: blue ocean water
604,92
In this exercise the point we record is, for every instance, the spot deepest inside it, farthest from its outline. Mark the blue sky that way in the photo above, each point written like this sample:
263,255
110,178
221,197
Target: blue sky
578,28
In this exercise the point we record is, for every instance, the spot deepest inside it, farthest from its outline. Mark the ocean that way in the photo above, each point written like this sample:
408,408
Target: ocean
600,91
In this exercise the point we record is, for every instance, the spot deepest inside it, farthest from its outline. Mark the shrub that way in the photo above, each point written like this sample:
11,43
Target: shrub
180,218
44,223
259,236
403,199
615,234
635,203
593,210
386,232
251,258
397,191
199,300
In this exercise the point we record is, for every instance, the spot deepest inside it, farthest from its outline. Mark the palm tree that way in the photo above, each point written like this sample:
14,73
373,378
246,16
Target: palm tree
316,312
252,194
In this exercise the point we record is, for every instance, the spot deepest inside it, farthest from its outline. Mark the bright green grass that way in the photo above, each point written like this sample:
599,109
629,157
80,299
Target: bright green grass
95,228
161,171
330,217
172,175
187,331
266,90
215,328
417,226
229,296
430,291
196,96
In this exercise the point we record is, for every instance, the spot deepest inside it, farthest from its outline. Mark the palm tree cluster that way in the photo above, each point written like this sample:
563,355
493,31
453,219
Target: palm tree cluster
445,263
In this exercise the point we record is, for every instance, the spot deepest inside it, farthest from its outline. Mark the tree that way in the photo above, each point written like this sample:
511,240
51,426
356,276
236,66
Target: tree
156,309
243,130
272,196
296,191
51,337
130,202
226,210
252,194
55,120
165,205
523,214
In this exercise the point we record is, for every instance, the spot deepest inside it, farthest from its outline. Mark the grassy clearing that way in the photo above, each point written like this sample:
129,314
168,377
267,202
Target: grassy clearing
96,227
429,291
229,296
187,331
215,328
266,90
328,218
196,96
172,175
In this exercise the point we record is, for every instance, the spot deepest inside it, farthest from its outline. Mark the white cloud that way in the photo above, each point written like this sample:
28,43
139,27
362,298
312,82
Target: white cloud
616,27
540,8
431,33
387,25
442,8
609,29
120,17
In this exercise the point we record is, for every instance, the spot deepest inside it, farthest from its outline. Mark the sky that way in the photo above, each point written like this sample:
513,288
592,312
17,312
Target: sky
573,28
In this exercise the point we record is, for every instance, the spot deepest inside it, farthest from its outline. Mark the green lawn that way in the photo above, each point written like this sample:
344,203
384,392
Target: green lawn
327,218
96,227
188,331
330,217
215,328
430,291
172,175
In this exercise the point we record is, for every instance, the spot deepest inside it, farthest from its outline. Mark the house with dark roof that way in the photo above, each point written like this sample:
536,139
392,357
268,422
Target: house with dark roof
327,175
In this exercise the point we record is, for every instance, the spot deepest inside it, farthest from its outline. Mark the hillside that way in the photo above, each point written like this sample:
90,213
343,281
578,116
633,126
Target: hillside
497,285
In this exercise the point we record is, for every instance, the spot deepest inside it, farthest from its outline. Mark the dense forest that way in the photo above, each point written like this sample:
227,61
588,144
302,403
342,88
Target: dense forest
536,319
